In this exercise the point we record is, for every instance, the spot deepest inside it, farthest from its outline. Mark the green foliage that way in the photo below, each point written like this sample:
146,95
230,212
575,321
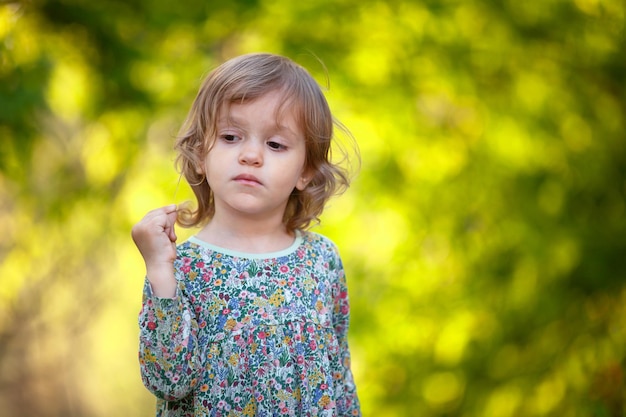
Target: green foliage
484,236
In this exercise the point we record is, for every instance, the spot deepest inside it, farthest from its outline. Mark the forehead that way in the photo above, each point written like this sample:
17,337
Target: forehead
274,106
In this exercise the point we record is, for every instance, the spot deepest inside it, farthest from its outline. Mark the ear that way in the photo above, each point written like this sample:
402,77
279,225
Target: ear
304,180
199,168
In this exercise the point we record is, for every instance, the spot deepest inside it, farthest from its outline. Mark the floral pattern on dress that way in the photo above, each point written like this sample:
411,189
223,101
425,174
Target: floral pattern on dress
248,335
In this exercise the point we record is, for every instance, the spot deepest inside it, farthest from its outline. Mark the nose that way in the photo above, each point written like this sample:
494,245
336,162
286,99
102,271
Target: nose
251,153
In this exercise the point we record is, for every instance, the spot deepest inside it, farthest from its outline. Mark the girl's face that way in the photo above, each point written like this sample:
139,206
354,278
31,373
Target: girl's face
256,161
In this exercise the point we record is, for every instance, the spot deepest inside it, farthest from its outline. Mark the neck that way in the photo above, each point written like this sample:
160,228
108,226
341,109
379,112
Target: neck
246,235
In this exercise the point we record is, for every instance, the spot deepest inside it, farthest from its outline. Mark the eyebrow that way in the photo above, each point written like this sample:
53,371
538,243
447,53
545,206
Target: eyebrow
243,122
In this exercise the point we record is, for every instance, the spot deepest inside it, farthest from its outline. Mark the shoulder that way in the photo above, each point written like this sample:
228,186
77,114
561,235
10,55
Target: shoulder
322,246
318,240
189,253
187,247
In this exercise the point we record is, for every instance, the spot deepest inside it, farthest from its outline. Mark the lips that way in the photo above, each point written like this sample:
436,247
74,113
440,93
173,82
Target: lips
247,179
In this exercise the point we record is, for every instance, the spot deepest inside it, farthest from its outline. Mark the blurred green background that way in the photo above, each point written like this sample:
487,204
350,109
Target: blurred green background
484,238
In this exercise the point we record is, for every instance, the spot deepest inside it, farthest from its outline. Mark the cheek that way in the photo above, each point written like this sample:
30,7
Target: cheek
211,166
212,159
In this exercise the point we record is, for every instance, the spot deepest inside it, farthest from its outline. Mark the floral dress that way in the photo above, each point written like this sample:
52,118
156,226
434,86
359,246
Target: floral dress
250,334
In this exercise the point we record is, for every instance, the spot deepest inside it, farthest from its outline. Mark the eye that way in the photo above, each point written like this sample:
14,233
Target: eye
229,138
276,146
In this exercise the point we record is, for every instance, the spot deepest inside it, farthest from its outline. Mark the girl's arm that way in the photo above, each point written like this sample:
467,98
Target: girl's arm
168,330
348,402
168,348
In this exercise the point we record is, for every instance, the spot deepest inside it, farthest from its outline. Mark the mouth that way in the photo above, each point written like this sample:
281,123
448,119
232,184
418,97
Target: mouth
247,179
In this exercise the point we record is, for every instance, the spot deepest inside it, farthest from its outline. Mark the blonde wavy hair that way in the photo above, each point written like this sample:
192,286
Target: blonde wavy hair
244,79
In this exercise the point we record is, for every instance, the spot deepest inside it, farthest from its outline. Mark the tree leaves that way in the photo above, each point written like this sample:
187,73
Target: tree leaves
483,237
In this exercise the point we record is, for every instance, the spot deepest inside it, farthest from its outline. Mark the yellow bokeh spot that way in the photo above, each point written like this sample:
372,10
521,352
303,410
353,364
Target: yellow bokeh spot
99,155
17,36
511,144
373,57
503,402
69,89
588,6
154,78
370,65
7,20
443,388
453,339
548,395
532,91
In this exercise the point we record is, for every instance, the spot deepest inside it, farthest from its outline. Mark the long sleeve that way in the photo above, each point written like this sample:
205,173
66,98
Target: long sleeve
347,401
168,348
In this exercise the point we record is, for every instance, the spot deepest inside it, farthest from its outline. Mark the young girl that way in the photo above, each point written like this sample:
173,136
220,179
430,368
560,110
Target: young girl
249,317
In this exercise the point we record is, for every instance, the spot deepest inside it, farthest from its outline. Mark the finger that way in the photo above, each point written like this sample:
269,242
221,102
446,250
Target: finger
160,211
171,223
172,208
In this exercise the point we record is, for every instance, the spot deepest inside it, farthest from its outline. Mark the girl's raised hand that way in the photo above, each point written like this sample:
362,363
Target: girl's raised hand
155,238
